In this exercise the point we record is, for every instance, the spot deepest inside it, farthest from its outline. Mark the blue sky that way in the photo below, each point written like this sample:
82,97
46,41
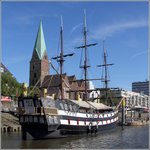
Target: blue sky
123,26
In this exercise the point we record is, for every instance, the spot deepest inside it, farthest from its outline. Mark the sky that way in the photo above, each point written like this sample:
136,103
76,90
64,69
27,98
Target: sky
123,26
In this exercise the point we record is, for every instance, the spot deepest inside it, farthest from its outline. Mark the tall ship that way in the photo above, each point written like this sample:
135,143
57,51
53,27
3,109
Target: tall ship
44,117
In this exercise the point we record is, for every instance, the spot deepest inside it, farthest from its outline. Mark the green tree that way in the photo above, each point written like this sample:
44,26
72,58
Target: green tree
10,86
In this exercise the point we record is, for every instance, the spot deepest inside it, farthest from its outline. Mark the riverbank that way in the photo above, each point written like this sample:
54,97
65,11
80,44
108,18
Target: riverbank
135,119
9,123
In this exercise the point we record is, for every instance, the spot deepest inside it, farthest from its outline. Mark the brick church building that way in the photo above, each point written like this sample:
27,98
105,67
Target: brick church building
40,77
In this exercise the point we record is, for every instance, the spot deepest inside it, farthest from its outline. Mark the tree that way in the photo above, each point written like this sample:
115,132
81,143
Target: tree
10,86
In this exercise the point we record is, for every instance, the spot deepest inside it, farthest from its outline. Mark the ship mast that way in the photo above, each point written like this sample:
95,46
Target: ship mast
85,66
105,65
61,60
85,51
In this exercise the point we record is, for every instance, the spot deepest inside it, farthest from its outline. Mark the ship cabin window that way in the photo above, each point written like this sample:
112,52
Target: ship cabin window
66,106
96,111
55,120
70,107
61,106
30,119
51,120
74,108
29,103
20,104
38,104
34,75
82,110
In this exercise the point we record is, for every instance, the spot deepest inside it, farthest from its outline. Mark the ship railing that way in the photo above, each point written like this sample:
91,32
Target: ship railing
38,111
34,111
51,111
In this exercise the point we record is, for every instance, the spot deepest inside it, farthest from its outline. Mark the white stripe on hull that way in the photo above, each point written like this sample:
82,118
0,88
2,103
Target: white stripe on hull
82,123
84,115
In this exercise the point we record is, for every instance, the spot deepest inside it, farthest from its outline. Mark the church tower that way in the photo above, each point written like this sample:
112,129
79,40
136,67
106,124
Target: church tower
39,64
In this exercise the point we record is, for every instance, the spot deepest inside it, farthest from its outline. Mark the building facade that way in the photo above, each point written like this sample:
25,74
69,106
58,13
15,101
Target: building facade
132,99
141,87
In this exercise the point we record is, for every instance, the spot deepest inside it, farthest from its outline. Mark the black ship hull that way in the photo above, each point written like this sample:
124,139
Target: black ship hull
41,131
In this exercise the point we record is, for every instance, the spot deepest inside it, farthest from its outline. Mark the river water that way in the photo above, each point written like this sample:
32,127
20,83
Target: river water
129,138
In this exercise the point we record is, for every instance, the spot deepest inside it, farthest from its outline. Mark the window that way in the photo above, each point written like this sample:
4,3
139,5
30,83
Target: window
20,104
66,107
29,103
74,108
2,69
45,57
34,75
61,106
70,107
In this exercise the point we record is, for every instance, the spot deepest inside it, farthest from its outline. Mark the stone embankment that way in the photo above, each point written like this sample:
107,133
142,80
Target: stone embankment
9,123
136,120
138,123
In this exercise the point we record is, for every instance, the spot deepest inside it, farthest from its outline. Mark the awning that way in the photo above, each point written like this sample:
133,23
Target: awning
100,106
94,105
6,99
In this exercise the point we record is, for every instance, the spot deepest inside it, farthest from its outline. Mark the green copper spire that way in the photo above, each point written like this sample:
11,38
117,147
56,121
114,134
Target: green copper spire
40,46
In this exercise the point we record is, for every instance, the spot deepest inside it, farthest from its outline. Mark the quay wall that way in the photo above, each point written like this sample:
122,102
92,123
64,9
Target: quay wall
9,123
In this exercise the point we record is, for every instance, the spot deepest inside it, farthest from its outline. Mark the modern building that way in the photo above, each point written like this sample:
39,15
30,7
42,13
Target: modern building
132,99
141,87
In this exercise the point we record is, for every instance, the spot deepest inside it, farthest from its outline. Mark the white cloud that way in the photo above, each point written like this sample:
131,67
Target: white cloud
102,32
139,54
75,27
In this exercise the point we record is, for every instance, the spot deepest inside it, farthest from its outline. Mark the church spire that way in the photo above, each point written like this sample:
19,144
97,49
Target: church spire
39,64
40,46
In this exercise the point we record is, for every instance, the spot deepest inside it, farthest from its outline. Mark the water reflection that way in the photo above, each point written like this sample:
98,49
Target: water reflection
130,137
